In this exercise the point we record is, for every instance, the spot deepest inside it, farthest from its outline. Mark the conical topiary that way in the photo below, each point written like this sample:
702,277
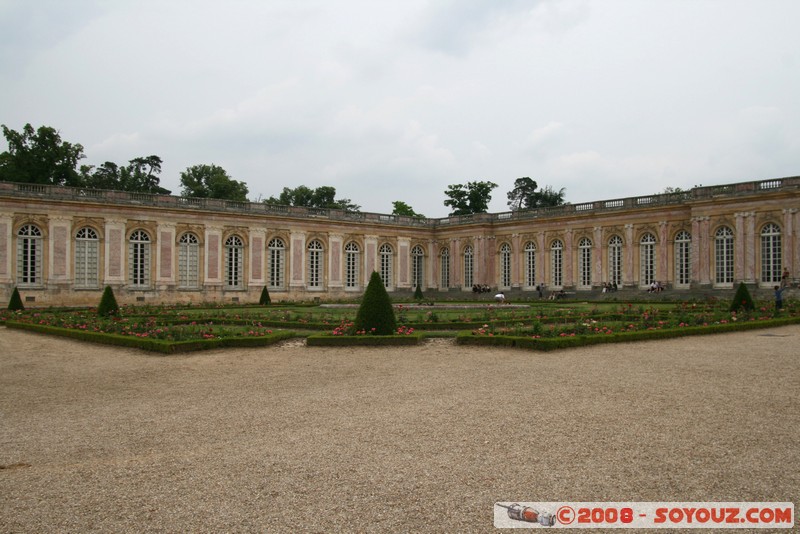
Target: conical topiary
742,299
108,303
264,300
15,304
418,293
376,315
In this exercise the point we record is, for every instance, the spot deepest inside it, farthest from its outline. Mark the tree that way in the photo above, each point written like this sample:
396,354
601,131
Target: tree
321,197
742,299
376,315
108,303
401,208
474,197
39,157
525,196
139,176
211,181
15,303
264,300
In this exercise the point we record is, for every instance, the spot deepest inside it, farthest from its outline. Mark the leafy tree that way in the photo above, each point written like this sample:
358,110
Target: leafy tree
15,304
321,197
211,181
742,299
525,195
139,176
401,208
376,310
39,157
108,303
474,197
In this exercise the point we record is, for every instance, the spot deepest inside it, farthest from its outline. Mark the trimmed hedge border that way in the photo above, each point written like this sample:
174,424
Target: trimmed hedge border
154,345
326,340
555,343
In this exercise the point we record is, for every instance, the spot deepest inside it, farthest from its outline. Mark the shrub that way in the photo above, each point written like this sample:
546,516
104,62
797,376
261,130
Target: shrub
108,304
15,304
264,300
742,299
376,314
418,294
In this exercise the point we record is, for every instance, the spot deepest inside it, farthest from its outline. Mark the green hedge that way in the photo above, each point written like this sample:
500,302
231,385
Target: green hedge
325,340
154,345
555,343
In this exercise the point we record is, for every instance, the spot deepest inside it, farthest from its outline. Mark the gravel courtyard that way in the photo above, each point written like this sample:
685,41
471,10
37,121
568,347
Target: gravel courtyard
291,438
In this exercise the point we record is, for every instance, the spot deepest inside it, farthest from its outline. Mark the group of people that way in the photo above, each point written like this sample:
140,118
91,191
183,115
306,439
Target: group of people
609,287
477,288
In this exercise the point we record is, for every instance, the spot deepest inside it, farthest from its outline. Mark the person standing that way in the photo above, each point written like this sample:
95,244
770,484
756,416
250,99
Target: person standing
779,298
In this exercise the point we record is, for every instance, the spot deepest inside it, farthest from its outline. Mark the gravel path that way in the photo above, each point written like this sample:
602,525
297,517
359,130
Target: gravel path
290,438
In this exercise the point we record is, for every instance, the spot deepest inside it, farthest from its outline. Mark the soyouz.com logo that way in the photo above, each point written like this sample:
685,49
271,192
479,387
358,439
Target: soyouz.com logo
681,515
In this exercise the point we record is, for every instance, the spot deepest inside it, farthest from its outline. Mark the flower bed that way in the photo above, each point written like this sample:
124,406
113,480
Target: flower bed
567,340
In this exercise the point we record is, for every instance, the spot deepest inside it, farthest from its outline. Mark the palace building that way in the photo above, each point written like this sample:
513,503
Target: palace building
62,246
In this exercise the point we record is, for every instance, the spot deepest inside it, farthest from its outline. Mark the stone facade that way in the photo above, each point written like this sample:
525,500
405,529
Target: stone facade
61,246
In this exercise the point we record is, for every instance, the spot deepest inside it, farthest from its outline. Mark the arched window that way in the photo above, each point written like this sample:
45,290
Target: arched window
351,256
417,263
469,266
87,246
387,259
315,264
615,260
188,261
683,259
557,264
647,259
771,254
585,262
29,256
505,265
723,256
276,263
444,257
530,264
234,262
139,259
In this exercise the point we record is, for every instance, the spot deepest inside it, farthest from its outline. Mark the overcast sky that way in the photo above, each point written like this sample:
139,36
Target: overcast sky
395,100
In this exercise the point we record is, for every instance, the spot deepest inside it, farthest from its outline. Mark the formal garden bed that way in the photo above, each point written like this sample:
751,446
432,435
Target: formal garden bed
539,326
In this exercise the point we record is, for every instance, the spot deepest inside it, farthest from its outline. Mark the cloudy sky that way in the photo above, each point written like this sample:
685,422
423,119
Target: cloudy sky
395,100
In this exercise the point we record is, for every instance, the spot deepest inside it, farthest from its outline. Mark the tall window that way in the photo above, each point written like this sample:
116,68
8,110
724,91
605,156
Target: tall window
188,261
530,264
351,255
615,260
585,262
387,256
139,259
683,259
277,262
557,264
234,262
87,247
444,257
505,265
315,264
469,267
29,256
771,254
417,261
723,256
647,259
